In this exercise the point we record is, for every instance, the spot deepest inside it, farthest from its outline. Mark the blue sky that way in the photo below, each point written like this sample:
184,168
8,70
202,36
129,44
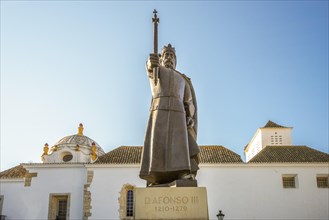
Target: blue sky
66,62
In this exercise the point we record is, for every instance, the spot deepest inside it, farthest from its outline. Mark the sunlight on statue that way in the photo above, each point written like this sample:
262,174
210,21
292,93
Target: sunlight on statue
170,150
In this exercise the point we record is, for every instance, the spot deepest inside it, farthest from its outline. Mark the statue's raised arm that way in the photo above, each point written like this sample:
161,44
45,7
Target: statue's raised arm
152,65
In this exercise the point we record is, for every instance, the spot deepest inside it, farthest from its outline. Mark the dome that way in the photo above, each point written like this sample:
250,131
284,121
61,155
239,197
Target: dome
76,148
74,140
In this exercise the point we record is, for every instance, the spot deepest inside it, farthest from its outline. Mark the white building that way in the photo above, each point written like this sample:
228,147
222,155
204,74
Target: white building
78,181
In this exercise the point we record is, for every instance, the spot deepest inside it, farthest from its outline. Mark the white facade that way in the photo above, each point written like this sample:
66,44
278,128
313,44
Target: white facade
105,202
32,202
256,192
242,191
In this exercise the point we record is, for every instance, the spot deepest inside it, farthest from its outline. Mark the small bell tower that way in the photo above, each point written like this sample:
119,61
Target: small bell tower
271,134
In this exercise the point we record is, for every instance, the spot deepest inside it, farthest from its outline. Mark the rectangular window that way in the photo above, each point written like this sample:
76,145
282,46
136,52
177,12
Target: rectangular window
59,205
62,209
289,181
322,181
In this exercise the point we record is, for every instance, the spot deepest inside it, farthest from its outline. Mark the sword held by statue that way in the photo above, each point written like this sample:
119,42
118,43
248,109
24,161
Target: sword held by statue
155,21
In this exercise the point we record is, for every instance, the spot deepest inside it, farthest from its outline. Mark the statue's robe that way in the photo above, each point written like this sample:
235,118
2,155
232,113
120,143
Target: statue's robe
170,148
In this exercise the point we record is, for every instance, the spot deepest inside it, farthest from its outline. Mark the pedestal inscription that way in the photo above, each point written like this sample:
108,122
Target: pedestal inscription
171,203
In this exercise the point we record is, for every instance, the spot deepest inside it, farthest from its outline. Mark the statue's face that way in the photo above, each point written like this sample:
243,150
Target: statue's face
169,59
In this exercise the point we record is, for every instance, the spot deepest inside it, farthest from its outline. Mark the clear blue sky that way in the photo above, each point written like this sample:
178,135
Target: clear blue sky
66,62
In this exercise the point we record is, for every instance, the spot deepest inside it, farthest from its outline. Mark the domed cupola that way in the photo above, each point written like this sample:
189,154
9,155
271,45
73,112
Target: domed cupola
76,148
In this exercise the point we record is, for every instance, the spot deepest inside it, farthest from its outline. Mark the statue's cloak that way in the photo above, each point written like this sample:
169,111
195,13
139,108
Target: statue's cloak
170,148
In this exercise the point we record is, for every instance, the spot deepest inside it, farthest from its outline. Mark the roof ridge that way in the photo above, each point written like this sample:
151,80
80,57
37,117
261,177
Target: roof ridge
271,124
132,155
289,154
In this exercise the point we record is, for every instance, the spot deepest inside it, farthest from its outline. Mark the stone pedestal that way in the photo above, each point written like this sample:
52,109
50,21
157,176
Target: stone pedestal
171,203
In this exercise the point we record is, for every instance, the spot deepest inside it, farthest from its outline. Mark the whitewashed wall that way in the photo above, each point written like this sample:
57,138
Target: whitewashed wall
32,202
243,191
284,132
256,192
255,145
106,186
14,196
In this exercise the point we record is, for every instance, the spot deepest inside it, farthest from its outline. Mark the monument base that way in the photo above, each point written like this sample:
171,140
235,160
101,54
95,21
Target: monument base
179,183
167,203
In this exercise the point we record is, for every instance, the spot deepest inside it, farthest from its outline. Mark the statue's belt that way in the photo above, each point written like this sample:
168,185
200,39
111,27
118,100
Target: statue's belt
171,103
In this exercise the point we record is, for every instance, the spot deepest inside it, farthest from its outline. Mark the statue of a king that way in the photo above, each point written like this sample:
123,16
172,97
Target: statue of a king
170,150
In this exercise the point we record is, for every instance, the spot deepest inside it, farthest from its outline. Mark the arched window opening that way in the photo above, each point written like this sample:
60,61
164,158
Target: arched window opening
126,201
130,203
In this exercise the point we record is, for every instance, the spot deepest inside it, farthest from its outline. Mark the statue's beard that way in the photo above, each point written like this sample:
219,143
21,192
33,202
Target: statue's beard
169,64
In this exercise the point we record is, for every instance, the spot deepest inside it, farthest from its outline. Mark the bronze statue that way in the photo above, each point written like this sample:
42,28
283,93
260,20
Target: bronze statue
170,149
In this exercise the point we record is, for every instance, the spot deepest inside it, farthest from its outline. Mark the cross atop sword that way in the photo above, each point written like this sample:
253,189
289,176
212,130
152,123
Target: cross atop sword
155,21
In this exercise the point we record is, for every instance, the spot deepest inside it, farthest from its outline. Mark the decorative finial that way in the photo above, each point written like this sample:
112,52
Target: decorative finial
55,148
80,129
93,151
45,151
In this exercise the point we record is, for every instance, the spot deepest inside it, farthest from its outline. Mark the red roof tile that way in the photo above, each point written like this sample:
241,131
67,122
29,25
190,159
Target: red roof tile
290,154
132,155
13,173
271,124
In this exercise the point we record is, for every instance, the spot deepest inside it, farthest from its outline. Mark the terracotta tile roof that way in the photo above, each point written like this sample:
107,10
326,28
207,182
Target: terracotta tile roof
13,173
122,155
218,154
132,155
290,154
271,124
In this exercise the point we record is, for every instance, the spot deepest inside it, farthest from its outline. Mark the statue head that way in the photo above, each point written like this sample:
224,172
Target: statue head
168,57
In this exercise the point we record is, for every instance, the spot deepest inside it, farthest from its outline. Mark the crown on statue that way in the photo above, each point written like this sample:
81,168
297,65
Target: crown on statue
168,48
